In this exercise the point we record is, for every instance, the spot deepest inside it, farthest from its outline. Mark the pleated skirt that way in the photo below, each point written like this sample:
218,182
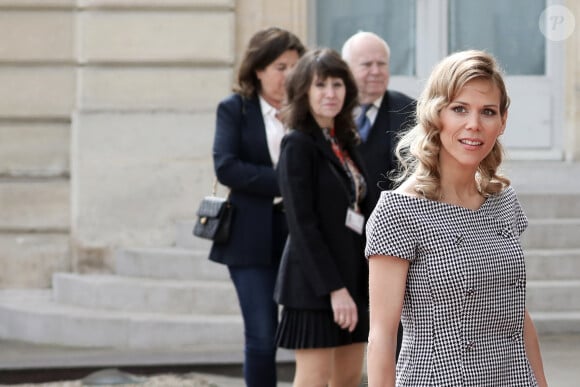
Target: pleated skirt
303,329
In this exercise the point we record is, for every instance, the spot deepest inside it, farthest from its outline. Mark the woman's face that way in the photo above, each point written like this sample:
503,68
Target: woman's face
326,98
273,76
471,123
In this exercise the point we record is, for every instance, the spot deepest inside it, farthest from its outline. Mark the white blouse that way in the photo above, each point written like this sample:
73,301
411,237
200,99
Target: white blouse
274,130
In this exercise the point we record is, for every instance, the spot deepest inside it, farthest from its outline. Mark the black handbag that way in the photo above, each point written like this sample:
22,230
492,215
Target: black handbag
214,218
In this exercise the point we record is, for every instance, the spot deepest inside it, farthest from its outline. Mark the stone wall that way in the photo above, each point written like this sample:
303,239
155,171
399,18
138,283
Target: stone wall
572,82
37,97
107,112
150,76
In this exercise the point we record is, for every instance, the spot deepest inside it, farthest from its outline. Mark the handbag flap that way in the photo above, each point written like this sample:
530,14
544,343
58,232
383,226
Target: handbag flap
211,206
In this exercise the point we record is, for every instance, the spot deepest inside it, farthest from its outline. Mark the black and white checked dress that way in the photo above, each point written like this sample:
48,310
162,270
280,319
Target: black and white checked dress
463,309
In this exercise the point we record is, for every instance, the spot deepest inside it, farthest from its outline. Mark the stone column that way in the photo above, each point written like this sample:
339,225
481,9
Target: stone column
37,87
572,82
150,75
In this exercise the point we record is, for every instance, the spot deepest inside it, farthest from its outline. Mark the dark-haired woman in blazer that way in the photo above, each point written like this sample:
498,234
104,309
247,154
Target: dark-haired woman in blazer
245,151
323,277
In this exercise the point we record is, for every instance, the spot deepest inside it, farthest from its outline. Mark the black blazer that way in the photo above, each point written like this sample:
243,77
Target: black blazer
396,113
321,254
242,162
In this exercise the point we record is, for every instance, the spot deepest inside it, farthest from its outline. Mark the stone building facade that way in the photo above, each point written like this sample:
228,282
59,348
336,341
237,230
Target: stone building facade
107,117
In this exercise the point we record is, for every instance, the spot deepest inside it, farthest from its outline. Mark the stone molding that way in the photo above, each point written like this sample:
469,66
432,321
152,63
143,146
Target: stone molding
151,37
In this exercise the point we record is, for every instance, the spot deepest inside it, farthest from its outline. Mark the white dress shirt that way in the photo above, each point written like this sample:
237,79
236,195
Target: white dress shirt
274,130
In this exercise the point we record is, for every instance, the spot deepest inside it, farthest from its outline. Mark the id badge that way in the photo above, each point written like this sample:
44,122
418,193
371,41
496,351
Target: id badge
355,221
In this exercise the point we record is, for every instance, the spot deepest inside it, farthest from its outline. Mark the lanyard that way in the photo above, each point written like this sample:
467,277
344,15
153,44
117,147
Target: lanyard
344,159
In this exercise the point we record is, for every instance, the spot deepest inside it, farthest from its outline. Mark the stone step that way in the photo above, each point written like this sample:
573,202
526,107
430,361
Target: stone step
115,292
168,263
553,296
185,238
552,234
21,355
553,264
556,322
33,316
550,205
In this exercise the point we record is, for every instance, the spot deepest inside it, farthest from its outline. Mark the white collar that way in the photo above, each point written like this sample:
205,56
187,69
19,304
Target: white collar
267,109
377,102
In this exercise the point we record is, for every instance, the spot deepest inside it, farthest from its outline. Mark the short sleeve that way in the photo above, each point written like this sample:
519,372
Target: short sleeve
391,228
520,218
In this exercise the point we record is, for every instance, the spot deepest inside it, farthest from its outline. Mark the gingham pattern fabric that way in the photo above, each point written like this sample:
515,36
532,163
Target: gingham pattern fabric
463,310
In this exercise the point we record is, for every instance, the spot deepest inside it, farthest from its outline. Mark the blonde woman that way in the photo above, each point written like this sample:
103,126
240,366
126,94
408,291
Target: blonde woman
444,249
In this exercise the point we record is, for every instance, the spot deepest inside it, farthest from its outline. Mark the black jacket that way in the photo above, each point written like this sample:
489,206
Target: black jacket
321,254
396,113
242,162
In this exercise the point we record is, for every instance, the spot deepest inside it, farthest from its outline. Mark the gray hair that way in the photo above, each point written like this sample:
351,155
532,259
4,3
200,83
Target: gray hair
347,46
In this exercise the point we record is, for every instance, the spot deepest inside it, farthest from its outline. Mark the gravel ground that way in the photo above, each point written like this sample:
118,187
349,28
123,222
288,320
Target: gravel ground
167,380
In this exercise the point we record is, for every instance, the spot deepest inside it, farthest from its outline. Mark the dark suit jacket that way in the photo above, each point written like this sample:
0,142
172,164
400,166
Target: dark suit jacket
321,254
242,162
396,113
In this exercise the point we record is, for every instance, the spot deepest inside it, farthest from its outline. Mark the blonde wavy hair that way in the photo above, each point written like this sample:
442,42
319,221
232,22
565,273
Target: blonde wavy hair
418,149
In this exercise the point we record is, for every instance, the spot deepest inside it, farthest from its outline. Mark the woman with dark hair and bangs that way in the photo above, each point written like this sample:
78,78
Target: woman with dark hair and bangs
323,277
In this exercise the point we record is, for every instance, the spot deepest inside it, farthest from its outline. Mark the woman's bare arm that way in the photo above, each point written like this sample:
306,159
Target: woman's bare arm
387,281
533,350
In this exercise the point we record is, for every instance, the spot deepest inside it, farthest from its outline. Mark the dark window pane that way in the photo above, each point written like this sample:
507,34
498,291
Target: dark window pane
393,20
507,29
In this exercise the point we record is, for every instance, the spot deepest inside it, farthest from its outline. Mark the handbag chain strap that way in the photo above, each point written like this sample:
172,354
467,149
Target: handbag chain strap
215,184
215,187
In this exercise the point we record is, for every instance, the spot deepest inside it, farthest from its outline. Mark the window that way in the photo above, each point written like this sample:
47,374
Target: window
508,29
421,32
340,19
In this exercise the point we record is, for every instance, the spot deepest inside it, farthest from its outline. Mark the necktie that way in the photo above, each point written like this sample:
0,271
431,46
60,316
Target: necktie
363,123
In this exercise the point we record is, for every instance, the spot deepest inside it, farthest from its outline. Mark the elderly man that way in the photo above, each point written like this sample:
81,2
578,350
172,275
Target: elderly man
383,113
